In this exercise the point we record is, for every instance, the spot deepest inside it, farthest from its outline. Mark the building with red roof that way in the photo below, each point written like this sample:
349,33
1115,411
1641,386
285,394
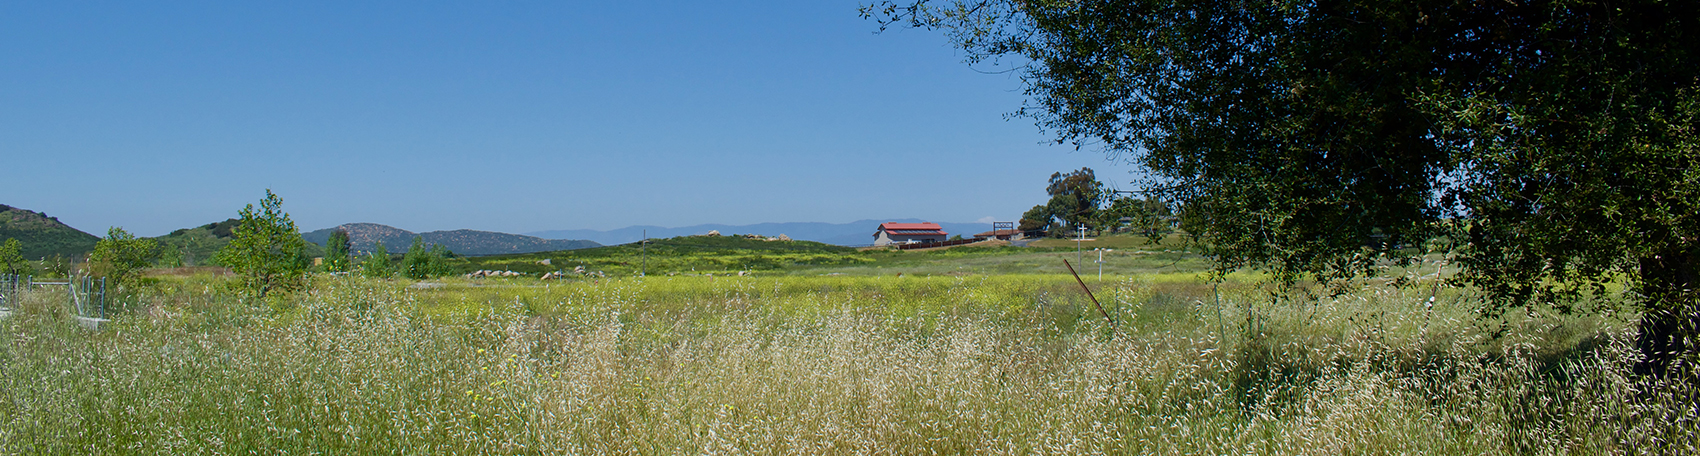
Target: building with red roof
909,233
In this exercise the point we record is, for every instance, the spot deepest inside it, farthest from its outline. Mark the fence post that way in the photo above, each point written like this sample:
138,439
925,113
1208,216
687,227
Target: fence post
103,298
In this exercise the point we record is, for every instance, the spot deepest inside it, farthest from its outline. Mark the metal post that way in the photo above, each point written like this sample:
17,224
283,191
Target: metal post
103,293
1100,264
1077,239
644,247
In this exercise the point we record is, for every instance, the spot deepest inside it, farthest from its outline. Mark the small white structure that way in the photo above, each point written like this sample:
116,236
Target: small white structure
909,233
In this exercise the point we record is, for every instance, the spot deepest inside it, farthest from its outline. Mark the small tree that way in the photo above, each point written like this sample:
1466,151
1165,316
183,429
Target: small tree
120,257
377,264
416,264
336,251
265,249
440,260
424,263
12,259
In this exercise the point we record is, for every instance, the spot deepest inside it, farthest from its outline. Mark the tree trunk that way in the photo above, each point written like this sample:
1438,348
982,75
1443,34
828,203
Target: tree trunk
1670,321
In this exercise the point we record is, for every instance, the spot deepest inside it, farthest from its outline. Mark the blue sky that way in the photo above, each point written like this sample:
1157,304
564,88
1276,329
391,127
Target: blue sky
505,116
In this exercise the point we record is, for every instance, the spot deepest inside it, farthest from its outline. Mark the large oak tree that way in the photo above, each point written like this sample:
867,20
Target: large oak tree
1553,141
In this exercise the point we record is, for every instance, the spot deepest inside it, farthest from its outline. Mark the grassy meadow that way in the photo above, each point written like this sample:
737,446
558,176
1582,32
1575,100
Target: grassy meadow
841,358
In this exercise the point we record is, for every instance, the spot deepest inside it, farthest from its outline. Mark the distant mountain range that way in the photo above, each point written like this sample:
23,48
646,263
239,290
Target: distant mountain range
857,233
366,236
43,236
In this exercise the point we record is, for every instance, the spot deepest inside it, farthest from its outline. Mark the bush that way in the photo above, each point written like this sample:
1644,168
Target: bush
120,257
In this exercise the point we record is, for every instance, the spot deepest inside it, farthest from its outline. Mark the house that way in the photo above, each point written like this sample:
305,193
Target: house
909,233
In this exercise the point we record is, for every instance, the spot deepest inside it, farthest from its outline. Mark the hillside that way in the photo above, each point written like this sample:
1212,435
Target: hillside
43,236
198,245
365,236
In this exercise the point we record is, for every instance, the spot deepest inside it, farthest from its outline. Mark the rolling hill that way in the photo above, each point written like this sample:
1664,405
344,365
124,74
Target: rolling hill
198,245
43,236
365,236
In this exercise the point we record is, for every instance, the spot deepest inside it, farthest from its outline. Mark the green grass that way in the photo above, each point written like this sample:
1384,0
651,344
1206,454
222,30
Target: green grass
701,255
810,364
681,255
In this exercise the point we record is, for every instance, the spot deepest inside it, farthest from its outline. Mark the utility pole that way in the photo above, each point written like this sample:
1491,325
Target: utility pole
644,248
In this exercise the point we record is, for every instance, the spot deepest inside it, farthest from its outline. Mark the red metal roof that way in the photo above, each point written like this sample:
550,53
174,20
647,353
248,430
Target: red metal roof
912,228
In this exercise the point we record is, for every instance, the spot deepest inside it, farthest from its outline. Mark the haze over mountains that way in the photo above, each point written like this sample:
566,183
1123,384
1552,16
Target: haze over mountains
857,233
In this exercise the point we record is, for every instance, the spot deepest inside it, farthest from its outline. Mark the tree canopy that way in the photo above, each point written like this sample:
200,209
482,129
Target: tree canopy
1552,142
1075,197
120,256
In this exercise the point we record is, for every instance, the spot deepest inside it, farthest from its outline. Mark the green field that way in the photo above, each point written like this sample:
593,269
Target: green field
730,255
984,351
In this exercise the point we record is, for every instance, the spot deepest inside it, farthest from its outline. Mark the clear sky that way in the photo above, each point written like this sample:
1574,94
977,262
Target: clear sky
505,116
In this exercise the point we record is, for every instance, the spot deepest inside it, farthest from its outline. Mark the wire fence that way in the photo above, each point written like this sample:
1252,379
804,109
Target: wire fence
85,295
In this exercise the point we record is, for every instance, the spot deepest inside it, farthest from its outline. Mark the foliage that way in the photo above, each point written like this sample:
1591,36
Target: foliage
1554,141
377,263
120,257
265,249
337,251
169,256
12,260
1147,216
56,266
423,263
1037,220
1075,197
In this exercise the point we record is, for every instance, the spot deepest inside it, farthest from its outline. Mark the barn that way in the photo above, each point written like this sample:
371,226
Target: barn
909,233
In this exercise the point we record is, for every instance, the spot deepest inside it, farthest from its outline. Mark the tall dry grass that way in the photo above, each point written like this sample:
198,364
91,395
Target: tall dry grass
797,365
